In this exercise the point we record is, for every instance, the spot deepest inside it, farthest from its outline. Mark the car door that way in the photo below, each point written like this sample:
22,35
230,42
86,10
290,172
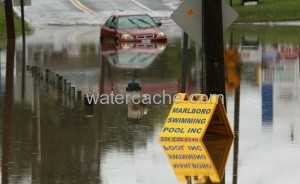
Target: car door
108,30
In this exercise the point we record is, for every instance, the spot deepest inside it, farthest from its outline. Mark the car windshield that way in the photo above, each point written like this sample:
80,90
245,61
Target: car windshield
137,21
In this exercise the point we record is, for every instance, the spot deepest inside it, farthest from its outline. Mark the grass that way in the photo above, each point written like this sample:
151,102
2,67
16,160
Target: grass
268,10
266,34
17,21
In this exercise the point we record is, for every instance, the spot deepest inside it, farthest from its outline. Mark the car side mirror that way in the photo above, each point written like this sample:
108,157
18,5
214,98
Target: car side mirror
158,23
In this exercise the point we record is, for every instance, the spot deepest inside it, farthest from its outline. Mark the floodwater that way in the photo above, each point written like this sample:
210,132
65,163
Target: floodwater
50,137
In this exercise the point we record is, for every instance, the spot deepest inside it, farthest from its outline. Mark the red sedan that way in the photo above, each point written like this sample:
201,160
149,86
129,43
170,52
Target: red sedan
132,28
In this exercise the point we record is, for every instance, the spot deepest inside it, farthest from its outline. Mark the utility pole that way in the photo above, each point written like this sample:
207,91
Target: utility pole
184,62
9,16
213,65
23,21
7,111
23,50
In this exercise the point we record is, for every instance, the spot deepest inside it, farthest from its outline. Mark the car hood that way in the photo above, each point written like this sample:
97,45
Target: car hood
141,31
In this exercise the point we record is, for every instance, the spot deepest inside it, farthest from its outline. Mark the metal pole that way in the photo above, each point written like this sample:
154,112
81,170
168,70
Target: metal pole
23,68
236,133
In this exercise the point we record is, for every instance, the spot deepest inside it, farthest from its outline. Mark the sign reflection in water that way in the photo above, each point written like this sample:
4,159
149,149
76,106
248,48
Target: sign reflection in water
202,161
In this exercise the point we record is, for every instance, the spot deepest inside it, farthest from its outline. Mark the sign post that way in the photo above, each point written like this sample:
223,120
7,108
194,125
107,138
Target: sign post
184,61
197,117
214,75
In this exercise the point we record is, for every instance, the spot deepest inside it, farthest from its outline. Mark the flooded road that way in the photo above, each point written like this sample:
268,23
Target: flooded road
50,137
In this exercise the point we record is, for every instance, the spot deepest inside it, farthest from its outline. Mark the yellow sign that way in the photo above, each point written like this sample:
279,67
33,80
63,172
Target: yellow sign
198,160
193,117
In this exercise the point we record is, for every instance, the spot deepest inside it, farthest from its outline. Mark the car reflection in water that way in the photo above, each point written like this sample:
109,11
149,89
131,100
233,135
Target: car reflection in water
131,55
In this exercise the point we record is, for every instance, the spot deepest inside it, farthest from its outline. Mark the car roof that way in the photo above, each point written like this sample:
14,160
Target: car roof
128,14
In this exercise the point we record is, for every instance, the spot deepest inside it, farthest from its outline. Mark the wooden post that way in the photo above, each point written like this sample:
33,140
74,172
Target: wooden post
40,73
79,95
60,82
68,89
47,75
64,85
56,80
72,92
52,78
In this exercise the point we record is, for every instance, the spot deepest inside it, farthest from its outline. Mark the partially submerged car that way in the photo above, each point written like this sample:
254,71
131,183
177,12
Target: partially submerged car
132,28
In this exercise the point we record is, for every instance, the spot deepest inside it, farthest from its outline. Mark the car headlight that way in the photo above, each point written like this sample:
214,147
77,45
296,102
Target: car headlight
161,46
126,45
161,35
126,37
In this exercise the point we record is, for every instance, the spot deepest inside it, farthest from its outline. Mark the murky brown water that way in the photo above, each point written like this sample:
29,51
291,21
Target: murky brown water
49,137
